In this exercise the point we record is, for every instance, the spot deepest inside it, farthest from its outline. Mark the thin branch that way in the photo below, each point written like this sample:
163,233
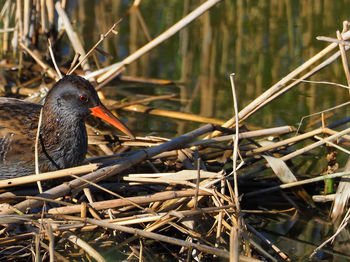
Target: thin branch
37,171
54,60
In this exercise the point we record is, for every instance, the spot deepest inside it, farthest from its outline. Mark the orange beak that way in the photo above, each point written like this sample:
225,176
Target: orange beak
102,112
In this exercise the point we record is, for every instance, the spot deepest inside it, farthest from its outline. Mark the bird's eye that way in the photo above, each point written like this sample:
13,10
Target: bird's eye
83,98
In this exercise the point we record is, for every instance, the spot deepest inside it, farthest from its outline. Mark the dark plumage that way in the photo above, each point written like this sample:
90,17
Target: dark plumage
63,138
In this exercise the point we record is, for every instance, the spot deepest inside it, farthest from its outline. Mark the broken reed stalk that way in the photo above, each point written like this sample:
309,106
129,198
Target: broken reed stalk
285,142
54,60
235,145
248,134
36,151
162,37
333,145
140,200
49,233
323,198
43,16
234,244
333,132
174,176
333,40
195,205
48,176
20,28
298,183
7,30
42,199
50,13
37,247
26,19
170,182
5,36
316,144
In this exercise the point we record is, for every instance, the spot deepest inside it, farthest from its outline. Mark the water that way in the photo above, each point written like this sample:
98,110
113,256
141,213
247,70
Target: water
260,41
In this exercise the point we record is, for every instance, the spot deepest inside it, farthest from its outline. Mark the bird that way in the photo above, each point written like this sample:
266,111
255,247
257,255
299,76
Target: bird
63,139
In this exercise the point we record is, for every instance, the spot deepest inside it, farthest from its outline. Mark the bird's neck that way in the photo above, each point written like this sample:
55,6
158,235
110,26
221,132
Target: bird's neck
63,139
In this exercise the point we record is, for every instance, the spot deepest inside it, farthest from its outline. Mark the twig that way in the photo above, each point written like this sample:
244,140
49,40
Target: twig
197,182
6,30
322,82
333,40
285,142
298,183
100,205
37,171
244,135
54,60
314,145
235,147
102,37
75,60
333,145
321,112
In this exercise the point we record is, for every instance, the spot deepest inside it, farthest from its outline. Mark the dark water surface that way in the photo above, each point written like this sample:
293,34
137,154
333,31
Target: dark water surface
260,41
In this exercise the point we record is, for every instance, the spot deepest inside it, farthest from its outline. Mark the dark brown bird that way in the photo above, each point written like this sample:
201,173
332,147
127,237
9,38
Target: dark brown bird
63,137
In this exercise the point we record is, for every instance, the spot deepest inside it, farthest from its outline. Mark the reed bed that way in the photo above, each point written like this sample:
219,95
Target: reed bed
155,198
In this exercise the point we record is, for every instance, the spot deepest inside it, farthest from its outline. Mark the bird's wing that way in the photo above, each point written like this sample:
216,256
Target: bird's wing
18,125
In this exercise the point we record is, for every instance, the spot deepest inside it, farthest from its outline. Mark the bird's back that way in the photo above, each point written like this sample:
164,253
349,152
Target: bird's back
18,125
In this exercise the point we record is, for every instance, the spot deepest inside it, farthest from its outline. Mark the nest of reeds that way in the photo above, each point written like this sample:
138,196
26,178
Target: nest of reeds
158,199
